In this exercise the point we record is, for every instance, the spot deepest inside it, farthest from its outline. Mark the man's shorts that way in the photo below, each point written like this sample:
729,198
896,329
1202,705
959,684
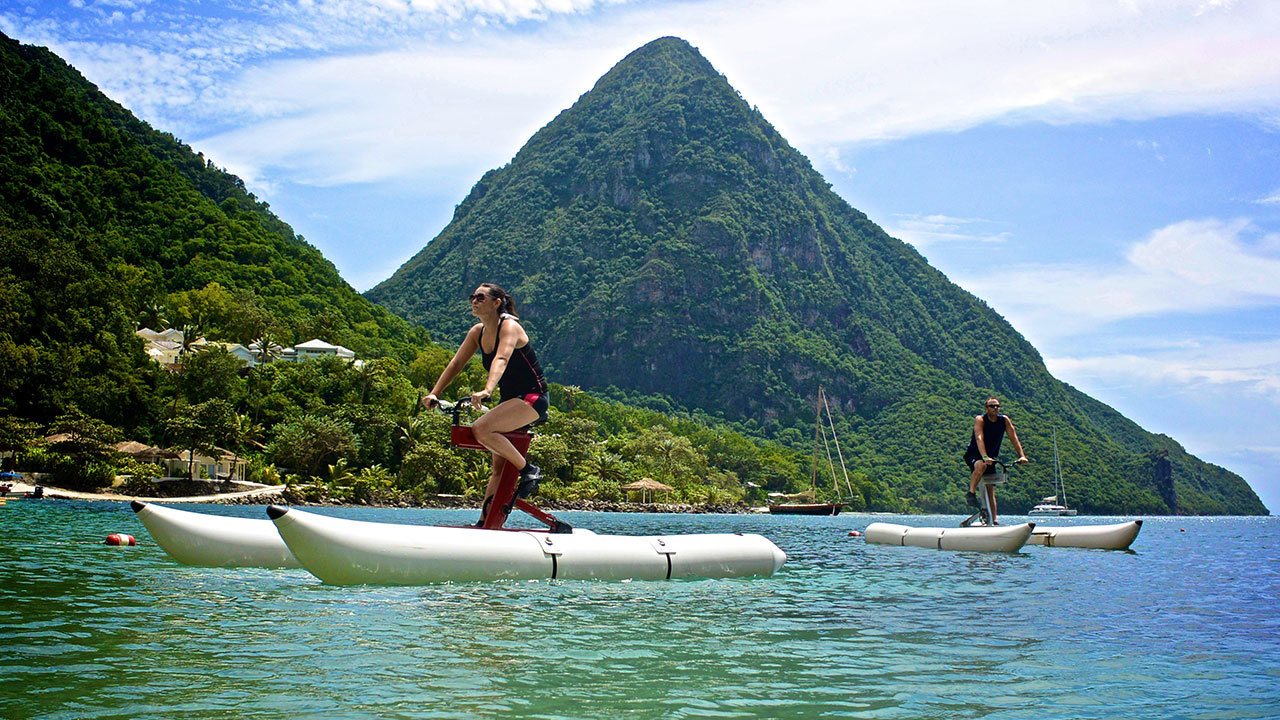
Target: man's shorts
971,461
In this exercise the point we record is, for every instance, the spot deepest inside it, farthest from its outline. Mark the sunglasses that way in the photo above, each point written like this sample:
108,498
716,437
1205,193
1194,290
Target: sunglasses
480,297
994,405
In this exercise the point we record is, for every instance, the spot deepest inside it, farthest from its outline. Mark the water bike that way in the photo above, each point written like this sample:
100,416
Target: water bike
350,552
986,514
988,536
1099,537
221,541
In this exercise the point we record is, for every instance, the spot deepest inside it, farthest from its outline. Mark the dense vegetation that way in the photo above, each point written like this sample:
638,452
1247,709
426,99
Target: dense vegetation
669,247
673,255
107,225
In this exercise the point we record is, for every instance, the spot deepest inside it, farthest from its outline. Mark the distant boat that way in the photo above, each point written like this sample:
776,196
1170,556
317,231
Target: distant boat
1050,505
805,508
816,508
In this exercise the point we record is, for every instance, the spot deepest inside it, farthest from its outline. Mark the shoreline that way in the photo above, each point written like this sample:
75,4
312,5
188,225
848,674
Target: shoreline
270,494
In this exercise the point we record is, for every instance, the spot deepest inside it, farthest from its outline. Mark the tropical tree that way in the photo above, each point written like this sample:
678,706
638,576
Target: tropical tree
606,465
202,427
310,441
431,468
211,374
86,448
571,395
16,435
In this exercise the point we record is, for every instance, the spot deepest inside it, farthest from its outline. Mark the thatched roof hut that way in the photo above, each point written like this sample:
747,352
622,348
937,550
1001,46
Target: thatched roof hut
144,452
646,487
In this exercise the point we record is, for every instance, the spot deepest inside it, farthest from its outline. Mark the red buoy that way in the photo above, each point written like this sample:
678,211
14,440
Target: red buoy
121,539
854,533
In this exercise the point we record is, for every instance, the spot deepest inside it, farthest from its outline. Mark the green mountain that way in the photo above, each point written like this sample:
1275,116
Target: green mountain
664,242
106,224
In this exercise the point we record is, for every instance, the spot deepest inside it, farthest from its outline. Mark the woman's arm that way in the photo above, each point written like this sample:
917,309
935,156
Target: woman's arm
459,361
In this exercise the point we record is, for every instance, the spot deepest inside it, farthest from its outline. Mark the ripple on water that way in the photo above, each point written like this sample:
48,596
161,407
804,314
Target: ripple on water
1183,626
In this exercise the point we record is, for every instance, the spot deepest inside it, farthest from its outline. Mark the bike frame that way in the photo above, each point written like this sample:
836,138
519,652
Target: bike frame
987,496
494,514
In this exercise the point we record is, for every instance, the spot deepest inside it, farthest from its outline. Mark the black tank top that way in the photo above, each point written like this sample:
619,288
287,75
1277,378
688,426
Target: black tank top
523,374
992,434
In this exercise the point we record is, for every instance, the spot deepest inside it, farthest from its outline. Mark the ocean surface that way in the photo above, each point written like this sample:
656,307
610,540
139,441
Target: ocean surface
1186,625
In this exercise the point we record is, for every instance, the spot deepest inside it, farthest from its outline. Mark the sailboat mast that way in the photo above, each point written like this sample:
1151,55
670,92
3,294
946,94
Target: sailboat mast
839,453
1057,473
817,426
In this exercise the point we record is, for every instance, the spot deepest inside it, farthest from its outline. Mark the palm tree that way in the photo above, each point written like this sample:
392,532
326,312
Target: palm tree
606,465
244,431
192,331
571,393
411,431
340,473
268,349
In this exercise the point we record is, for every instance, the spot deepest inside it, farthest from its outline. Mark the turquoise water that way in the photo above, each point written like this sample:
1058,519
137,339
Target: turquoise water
1186,626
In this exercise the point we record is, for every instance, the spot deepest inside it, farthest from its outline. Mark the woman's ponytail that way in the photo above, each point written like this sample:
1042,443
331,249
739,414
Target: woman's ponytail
508,303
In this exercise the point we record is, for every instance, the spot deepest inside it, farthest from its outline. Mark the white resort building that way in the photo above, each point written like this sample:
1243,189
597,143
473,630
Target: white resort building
166,348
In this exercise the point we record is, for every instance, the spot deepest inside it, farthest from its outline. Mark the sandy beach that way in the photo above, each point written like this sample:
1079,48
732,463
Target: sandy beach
264,493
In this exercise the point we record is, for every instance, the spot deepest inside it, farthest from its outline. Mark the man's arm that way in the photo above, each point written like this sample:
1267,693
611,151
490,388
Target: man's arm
1013,435
977,434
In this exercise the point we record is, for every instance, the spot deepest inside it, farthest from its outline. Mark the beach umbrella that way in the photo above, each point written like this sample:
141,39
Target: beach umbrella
646,486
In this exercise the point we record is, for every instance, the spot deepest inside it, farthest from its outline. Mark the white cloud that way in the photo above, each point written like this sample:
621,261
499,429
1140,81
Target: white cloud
1250,368
1219,397
1194,266
827,72
847,72
1272,199
924,230
394,115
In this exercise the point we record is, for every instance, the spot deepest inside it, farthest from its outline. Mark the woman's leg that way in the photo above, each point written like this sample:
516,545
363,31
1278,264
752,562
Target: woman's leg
495,475
507,416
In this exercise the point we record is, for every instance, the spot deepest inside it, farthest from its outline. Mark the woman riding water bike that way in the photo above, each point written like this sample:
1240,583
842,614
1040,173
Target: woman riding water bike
513,369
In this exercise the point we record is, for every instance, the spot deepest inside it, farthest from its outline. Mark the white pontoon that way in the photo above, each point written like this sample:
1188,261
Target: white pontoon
997,538
350,552
1099,537
215,540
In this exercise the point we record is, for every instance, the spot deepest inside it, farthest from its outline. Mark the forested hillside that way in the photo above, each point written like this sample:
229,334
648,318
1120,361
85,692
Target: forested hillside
667,245
107,225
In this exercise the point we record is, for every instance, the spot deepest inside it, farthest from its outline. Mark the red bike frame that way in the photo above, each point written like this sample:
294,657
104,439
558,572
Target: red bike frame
504,499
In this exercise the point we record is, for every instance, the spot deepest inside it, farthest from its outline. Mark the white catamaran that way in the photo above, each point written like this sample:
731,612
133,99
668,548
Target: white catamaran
1051,504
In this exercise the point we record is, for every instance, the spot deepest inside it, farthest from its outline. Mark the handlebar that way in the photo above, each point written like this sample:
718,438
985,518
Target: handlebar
454,409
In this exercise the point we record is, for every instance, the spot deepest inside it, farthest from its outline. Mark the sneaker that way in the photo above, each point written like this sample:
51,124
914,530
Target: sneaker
529,478
971,499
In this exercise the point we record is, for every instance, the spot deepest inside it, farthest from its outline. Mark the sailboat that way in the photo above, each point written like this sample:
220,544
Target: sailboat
1050,505
785,507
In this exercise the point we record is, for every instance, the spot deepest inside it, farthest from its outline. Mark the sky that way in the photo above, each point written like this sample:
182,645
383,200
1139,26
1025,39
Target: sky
1105,174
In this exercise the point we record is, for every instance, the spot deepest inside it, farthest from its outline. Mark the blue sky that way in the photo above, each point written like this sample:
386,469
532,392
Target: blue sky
1104,174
